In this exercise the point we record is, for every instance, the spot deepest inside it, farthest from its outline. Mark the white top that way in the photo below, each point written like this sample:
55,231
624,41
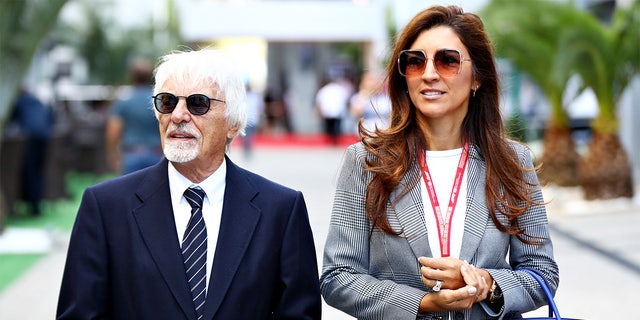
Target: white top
332,100
443,166
214,187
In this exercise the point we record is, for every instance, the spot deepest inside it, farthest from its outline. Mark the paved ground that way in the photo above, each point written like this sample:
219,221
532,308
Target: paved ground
596,243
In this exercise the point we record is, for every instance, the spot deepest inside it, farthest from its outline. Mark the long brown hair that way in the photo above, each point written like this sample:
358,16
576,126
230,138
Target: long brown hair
394,149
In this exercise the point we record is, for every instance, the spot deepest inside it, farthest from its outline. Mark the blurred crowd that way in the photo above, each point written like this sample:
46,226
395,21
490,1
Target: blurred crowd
116,133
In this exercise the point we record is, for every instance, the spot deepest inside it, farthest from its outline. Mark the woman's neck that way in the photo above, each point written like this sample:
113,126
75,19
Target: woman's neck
443,144
443,137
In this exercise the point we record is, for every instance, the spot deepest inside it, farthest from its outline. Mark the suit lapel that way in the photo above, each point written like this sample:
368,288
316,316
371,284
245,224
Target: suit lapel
157,227
239,220
410,213
476,214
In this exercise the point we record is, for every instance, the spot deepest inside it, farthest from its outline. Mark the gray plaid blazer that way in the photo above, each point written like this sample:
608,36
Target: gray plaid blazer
378,277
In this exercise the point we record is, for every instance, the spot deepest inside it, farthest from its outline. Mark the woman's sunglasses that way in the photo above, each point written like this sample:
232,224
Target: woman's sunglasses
448,62
198,104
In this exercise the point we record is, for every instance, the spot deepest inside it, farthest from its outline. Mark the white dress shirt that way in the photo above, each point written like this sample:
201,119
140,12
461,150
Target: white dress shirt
214,187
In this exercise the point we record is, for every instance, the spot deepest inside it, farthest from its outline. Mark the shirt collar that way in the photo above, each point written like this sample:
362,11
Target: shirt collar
213,185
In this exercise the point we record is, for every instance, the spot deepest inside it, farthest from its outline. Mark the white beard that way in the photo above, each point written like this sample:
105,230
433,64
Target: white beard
181,151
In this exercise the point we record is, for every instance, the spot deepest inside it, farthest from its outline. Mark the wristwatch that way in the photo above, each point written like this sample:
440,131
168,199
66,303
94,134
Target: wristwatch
495,293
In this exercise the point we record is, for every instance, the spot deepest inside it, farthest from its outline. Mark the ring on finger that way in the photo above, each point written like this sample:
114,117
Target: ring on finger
437,286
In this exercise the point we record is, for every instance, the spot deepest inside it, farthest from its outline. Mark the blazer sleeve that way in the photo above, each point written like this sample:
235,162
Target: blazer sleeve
520,291
345,282
84,289
299,274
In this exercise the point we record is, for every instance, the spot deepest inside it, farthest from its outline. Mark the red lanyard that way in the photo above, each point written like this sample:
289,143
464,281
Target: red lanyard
444,222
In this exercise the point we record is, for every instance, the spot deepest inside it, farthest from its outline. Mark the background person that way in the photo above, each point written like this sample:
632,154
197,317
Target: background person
130,254
34,119
371,103
255,108
331,105
131,133
393,250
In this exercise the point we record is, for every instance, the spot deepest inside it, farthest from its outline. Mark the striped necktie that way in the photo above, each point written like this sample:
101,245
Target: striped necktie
194,249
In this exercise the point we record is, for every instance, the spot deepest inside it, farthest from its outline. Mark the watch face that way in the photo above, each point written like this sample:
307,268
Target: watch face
495,293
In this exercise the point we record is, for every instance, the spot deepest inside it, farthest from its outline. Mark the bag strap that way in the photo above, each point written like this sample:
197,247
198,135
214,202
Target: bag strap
553,309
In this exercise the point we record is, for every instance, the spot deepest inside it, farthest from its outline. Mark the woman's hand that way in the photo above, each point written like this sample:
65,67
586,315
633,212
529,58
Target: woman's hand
455,274
448,300
446,270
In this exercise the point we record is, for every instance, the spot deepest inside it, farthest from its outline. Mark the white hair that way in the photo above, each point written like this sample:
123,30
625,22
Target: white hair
212,68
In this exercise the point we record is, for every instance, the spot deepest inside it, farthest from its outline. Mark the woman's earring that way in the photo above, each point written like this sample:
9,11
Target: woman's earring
474,91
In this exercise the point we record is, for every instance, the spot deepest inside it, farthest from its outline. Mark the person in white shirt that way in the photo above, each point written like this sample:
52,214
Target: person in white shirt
434,216
194,236
331,104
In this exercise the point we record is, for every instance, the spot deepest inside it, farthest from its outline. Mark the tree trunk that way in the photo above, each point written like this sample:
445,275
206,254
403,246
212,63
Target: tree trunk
605,171
559,162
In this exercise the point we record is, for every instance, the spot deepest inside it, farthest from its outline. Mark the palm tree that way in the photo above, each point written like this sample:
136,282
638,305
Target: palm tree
23,26
607,59
528,33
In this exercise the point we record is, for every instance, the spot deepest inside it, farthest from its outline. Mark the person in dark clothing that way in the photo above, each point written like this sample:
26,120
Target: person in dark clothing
35,121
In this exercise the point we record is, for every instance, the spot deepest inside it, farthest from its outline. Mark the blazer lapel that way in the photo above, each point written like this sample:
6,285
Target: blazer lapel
239,220
476,214
409,211
157,227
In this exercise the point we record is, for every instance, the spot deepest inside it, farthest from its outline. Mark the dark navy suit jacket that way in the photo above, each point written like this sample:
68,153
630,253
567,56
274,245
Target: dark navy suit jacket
124,259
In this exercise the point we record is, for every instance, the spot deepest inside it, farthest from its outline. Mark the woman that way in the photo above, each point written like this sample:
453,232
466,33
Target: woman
393,250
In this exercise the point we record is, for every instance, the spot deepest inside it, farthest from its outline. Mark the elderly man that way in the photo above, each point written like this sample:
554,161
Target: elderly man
195,236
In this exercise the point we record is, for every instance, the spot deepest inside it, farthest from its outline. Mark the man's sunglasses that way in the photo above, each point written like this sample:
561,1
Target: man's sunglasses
448,62
198,104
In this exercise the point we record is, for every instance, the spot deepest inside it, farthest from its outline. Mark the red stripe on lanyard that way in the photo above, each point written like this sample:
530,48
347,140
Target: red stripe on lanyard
444,222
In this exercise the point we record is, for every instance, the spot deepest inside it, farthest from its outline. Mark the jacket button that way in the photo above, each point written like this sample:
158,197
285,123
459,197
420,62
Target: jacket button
459,316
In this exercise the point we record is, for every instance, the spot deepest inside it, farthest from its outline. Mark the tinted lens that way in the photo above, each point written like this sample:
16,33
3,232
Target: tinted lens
165,102
198,104
412,63
447,62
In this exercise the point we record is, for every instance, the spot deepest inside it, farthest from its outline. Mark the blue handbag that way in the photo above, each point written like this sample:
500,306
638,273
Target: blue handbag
553,309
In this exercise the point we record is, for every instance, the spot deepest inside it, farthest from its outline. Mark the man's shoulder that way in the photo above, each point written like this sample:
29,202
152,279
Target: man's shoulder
132,181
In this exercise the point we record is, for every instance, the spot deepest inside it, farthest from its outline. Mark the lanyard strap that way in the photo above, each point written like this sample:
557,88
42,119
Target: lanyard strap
444,222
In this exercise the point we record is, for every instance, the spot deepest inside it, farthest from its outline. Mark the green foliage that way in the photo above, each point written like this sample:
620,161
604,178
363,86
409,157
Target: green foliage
626,25
606,58
23,26
552,41
529,34
108,48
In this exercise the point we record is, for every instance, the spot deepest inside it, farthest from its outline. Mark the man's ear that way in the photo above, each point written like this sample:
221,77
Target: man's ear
233,132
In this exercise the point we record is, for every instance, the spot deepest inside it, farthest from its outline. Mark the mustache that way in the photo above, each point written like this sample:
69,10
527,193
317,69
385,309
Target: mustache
183,127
